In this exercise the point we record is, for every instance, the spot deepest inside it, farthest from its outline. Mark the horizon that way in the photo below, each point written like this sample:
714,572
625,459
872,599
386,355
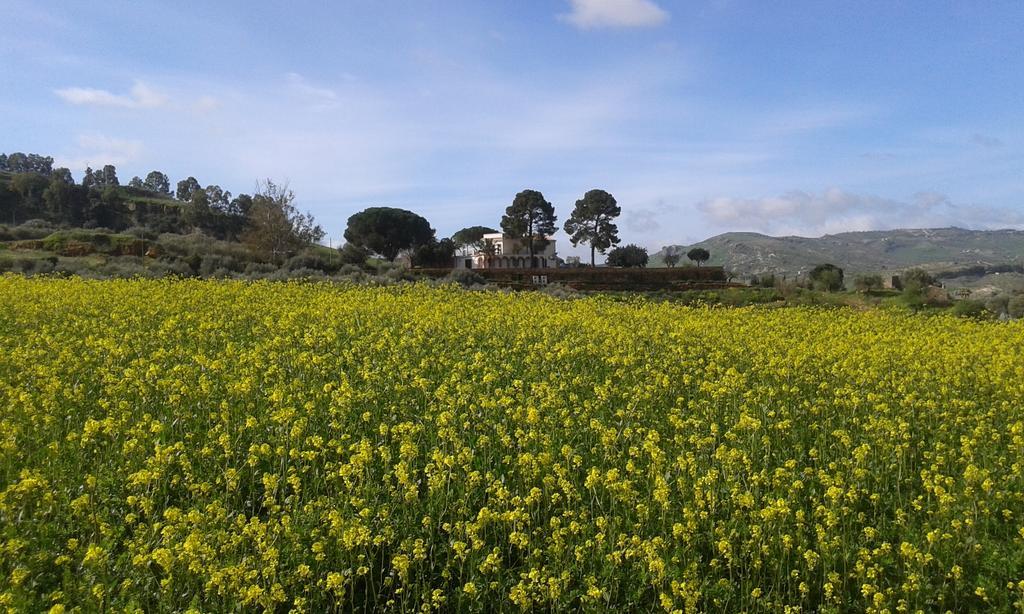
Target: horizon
701,119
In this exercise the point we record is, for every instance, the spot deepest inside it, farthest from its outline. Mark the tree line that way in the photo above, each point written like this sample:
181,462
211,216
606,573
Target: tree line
267,220
530,218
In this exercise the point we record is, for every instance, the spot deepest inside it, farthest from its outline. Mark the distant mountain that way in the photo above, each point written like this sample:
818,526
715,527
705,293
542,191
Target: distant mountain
934,249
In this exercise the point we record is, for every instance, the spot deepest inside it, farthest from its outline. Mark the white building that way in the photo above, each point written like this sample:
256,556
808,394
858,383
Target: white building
501,252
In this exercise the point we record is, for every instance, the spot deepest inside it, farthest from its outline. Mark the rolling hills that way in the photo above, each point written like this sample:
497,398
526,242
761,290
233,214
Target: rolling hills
884,251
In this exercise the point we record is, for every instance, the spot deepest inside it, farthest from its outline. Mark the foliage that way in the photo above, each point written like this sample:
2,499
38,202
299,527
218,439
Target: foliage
434,253
471,237
467,277
353,254
867,282
388,231
671,256
158,182
916,280
592,222
530,218
186,188
698,255
19,162
1015,306
627,256
826,277
215,446
969,308
275,228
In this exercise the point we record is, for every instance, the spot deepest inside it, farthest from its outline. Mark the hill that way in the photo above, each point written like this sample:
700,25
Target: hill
883,251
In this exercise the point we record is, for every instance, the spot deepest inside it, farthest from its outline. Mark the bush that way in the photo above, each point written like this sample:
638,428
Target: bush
627,256
353,254
30,230
867,283
826,277
258,269
997,305
968,308
310,260
559,291
211,263
285,275
1015,306
398,273
467,277
142,232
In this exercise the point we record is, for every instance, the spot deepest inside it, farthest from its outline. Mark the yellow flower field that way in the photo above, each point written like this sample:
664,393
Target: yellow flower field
215,446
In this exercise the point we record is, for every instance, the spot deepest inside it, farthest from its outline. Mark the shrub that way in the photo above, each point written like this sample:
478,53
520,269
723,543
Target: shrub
968,308
867,283
1015,306
627,256
467,277
309,260
826,277
997,305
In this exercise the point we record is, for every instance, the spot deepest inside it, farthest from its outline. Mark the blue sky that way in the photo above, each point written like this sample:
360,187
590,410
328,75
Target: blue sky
700,117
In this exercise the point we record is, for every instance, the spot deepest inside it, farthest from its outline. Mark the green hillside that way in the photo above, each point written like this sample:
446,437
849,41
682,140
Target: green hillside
886,251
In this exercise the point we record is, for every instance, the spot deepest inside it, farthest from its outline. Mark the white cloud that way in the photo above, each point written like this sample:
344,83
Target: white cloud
587,14
836,210
141,96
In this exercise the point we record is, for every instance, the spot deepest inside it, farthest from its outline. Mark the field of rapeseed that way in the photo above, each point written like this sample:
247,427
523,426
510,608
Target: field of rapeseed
176,445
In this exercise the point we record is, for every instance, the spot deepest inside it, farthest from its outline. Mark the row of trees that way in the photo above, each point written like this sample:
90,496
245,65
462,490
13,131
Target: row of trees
530,218
267,220
672,255
37,190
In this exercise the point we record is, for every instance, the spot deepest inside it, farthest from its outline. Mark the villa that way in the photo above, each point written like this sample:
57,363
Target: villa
501,252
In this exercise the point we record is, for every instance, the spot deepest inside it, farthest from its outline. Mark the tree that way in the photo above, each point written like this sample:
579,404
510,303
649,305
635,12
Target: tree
17,162
592,222
532,218
136,182
917,279
237,216
58,198
627,256
867,283
827,277
198,214
671,257
109,210
219,198
698,255
158,182
187,187
353,254
387,231
275,227
471,237
63,175
435,254
30,187
108,176
89,178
